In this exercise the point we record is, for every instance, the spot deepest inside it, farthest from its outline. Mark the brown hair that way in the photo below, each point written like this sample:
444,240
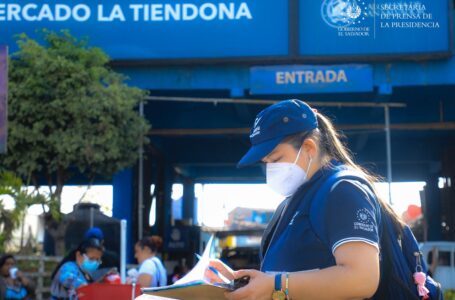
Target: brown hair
154,243
331,147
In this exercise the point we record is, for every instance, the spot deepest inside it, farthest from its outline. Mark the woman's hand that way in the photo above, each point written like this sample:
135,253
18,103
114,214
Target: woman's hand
260,286
218,266
22,278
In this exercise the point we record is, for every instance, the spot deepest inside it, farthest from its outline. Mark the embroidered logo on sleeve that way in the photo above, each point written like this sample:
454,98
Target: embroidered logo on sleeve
364,220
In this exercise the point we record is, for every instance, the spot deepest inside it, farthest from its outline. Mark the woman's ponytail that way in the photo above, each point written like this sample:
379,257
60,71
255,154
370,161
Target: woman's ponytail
332,148
330,142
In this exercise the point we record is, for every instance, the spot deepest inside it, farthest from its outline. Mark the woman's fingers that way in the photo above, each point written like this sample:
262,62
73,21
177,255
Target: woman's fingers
216,265
211,276
243,273
244,292
260,286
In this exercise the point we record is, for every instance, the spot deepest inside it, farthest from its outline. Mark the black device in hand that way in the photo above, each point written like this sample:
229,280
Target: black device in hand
234,284
241,282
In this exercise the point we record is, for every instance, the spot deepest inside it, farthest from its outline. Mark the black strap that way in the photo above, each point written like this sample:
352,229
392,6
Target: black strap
271,227
87,276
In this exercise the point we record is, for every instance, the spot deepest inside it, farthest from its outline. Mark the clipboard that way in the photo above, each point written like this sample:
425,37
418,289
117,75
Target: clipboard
192,286
196,290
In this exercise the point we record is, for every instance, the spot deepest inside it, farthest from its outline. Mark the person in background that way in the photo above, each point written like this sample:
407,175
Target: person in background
179,271
110,259
14,284
74,270
176,274
151,271
434,261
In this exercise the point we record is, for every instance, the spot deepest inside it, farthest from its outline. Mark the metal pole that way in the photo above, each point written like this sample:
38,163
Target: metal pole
140,200
389,150
91,217
269,102
41,269
133,292
123,225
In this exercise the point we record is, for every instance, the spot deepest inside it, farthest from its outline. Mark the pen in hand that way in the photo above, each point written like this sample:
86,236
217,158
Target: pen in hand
229,284
215,271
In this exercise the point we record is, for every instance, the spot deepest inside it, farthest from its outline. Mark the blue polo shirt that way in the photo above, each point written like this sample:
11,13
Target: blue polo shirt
350,214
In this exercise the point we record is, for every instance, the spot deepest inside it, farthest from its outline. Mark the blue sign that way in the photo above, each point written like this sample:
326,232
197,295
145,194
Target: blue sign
167,29
305,79
373,27
202,29
178,239
3,97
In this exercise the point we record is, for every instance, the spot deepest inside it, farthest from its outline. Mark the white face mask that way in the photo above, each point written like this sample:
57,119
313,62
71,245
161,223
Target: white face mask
285,178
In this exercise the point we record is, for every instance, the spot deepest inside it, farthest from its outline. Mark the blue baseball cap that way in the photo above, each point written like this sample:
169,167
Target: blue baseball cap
275,123
94,232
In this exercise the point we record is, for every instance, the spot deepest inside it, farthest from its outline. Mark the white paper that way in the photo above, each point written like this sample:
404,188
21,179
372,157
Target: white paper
198,272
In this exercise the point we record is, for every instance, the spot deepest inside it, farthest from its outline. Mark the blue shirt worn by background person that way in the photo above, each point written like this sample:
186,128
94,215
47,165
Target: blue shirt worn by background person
67,279
15,292
290,244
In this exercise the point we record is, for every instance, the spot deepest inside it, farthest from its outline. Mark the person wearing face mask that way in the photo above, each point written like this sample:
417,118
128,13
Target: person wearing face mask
13,283
110,258
75,269
301,150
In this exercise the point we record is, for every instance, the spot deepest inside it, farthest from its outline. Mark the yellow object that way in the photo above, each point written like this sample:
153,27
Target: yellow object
231,242
449,295
228,242
278,295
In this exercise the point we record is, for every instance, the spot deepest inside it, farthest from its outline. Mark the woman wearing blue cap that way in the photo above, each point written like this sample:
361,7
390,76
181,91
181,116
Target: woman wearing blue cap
75,269
301,150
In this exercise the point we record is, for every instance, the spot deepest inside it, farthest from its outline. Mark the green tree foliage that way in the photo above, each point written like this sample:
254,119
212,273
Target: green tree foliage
10,219
69,113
